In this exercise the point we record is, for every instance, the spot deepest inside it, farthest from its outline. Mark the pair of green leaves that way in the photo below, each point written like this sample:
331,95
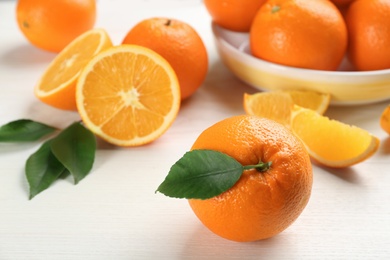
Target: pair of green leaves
203,174
72,151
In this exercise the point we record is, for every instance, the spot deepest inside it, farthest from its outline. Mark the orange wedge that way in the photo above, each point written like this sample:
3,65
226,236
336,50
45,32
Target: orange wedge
277,105
385,119
330,142
128,95
318,102
57,86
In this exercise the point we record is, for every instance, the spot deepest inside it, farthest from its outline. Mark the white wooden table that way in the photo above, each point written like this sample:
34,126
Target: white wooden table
114,212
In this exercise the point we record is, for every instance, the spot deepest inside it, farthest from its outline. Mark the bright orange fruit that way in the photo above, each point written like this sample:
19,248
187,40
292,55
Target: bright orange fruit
368,23
342,3
51,25
57,86
179,44
261,204
234,15
299,33
128,95
385,119
278,105
330,142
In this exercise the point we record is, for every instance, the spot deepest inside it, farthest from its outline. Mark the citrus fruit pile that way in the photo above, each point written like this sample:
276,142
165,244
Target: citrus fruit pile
329,142
129,94
314,34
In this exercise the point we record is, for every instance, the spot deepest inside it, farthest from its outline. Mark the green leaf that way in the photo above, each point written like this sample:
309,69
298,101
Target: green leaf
24,130
75,148
42,169
201,174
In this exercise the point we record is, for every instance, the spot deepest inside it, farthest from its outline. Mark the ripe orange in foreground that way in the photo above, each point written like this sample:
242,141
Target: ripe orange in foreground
368,23
179,44
129,95
261,204
385,119
330,142
235,15
51,25
304,34
57,86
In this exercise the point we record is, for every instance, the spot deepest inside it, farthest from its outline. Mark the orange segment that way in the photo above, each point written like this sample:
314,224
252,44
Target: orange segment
272,105
318,102
57,86
277,105
128,95
385,119
330,142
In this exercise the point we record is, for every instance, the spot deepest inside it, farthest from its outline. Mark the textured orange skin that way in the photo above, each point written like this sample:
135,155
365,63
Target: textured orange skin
261,204
179,44
304,34
368,23
235,15
385,119
51,25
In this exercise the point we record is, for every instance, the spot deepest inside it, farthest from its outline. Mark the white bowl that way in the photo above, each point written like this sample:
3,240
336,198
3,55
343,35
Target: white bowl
346,87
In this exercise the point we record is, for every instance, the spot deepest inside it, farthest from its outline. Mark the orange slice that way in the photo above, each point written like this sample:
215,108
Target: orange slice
318,102
330,142
129,95
277,105
57,86
385,119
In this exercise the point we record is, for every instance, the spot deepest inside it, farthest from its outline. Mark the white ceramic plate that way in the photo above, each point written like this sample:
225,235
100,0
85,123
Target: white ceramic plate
346,87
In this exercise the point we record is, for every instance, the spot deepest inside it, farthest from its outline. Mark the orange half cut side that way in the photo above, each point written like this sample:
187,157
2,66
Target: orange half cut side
57,85
128,95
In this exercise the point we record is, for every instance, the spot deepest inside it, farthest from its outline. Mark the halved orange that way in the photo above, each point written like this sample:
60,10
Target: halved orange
385,119
330,142
277,105
57,85
128,95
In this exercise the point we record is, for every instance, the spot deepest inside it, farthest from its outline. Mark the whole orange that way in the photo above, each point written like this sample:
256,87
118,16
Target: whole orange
179,44
299,33
368,23
235,15
51,25
260,204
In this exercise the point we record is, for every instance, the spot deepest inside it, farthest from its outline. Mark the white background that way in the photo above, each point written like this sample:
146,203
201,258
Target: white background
114,212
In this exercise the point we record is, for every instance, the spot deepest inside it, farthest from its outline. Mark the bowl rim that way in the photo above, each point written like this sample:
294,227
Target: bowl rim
216,29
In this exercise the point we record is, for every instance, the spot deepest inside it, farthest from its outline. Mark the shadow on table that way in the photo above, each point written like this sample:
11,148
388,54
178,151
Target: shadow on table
203,244
346,174
26,55
222,87
385,146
